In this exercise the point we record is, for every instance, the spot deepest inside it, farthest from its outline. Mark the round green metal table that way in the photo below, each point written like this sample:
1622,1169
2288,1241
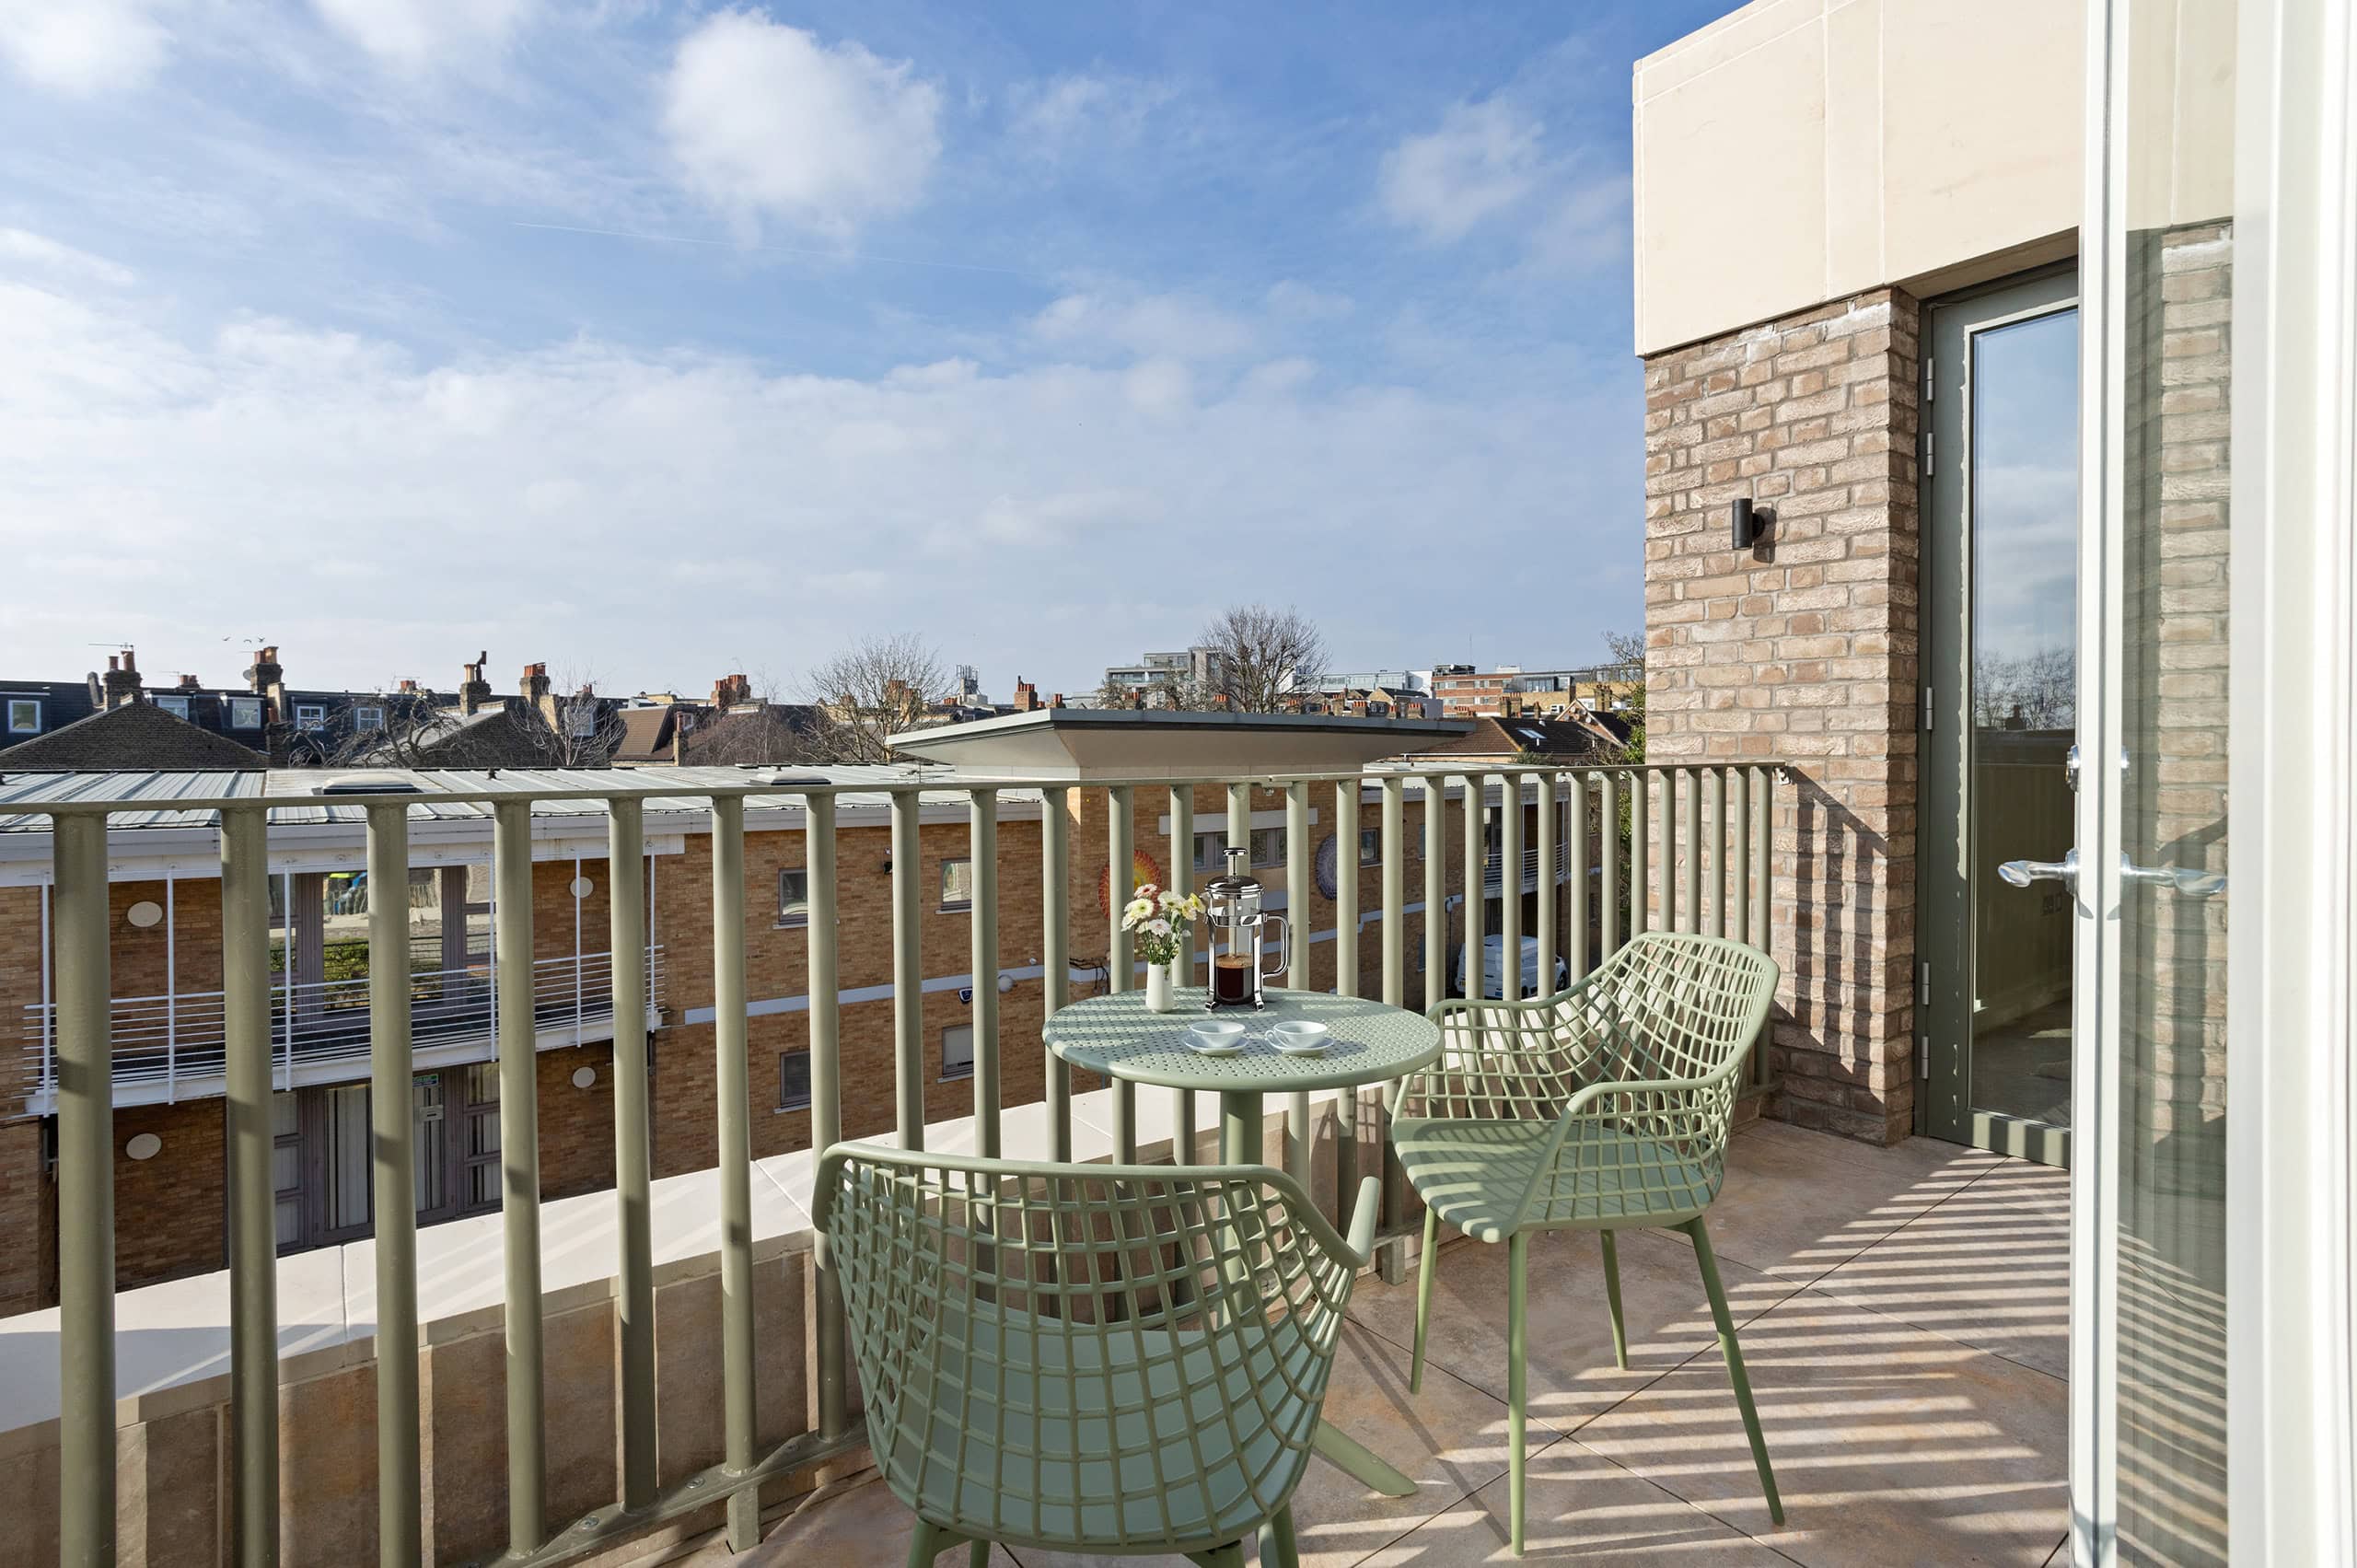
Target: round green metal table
1367,1042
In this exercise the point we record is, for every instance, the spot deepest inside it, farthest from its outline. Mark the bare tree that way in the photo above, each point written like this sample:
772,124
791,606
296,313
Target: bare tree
1263,656
870,692
1629,649
756,729
572,727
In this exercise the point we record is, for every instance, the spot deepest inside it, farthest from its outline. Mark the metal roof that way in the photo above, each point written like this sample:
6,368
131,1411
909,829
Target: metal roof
23,795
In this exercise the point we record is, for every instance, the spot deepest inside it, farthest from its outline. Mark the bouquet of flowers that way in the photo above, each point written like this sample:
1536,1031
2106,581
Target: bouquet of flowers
1159,918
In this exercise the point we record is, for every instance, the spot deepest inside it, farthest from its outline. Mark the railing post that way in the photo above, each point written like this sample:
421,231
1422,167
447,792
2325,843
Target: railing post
1120,873
1575,944
908,972
1300,852
1436,825
1550,864
1474,959
1736,870
1638,830
1510,885
981,847
1055,951
1180,879
392,1128
519,1162
1346,891
730,1077
1689,908
253,1208
85,1438
1395,893
633,1151
1763,886
1710,875
826,1088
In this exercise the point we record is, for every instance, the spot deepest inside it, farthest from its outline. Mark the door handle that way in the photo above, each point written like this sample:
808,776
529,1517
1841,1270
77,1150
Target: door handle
2177,880
2022,873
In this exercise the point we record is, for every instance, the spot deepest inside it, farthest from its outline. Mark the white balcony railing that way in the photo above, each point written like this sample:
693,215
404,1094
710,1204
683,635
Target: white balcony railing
169,1045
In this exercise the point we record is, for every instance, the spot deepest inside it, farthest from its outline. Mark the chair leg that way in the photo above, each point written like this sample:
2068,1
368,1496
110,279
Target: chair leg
1424,1264
1733,1356
930,1541
1228,1556
1612,1296
1518,1371
977,1554
1278,1548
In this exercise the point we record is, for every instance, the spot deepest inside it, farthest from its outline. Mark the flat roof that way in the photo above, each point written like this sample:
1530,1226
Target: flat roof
1083,744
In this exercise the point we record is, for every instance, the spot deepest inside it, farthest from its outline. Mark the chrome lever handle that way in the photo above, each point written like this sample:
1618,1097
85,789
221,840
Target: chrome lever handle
2185,882
2022,873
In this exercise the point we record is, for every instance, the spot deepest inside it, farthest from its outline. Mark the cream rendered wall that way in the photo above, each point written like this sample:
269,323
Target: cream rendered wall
1800,151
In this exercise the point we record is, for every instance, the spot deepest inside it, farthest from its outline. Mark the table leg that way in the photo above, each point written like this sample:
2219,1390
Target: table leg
1239,1144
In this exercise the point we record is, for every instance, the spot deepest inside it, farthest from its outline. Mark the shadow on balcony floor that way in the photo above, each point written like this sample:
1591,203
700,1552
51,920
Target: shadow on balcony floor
1904,1313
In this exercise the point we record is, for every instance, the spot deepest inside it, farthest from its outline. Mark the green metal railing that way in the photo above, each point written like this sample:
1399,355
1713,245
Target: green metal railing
1692,852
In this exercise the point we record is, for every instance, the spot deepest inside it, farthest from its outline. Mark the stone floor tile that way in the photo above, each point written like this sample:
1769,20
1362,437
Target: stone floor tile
1579,1507
1991,1266
1796,1205
856,1526
1891,1443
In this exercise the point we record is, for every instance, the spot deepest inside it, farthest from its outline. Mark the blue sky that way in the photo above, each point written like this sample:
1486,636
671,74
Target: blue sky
659,342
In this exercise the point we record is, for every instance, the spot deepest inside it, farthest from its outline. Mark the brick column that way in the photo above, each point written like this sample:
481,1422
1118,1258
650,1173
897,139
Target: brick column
1803,650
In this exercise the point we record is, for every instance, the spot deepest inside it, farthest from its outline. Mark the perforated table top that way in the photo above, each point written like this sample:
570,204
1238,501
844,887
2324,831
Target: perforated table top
1369,1042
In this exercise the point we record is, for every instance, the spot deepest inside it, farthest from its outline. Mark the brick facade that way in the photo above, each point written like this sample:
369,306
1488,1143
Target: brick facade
1803,650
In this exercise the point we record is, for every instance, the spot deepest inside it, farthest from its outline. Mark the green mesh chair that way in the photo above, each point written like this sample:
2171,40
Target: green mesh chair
1600,1109
1118,1359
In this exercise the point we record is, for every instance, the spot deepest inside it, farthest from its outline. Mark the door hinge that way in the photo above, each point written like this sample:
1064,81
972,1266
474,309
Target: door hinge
1926,710
1930,466
1923,982
1931,388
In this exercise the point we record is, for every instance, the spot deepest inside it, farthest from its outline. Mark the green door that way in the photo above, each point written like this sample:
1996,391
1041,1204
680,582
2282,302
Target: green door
2000,663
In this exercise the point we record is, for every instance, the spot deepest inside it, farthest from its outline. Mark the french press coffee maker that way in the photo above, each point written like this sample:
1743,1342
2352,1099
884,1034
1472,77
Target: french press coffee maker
1232,905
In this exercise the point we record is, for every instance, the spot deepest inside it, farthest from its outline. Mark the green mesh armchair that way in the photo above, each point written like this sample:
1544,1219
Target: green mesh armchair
1115,1359
1600,1109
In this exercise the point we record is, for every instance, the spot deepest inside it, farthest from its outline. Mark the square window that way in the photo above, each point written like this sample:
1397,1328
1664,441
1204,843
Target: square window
793,1080
956,883
794,897
958,1052
367,718
310,715
581,721
245,713
1371,846
175,706
24,716
1268,847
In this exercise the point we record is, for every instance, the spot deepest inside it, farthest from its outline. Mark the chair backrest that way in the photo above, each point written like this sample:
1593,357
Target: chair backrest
1675,1005
1084,1355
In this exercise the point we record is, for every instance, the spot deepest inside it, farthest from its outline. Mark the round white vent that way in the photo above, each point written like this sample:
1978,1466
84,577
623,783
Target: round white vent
145,913
584,1076
583,887
143,1146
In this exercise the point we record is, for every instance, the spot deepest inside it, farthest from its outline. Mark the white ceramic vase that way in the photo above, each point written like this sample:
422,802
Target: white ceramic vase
1161,990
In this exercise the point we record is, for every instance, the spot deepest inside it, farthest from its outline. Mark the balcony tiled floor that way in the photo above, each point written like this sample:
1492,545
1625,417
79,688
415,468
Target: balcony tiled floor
1904,1314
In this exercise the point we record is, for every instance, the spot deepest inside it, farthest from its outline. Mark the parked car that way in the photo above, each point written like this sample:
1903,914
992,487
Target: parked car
1493,950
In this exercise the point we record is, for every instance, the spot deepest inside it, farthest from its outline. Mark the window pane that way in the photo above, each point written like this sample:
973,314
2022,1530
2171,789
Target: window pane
482,1084
24,717
290,1222
1267,846
957,882
794,1078
958,1052
1370,846
792,896
482,1185
348,1165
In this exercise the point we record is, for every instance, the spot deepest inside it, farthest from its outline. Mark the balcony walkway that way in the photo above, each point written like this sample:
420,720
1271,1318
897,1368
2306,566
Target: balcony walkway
1904,1314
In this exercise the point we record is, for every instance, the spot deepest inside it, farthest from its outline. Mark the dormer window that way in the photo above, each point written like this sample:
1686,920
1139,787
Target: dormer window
364,719
310,715
24,716
245,713
175,706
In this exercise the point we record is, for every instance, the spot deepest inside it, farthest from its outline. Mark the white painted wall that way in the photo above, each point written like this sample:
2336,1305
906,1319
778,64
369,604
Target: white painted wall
1798,151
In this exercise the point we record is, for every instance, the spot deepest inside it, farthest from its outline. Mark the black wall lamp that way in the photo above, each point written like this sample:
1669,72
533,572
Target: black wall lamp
1748,524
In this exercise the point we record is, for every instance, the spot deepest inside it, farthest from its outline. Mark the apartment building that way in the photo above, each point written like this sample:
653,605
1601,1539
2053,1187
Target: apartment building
1194,669
1467,692
166,938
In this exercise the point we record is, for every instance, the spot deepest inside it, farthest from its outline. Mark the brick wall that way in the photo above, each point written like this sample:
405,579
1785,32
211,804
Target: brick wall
1803,650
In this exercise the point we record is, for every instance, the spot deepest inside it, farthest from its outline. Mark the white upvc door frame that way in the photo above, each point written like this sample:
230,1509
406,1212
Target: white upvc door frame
2292,944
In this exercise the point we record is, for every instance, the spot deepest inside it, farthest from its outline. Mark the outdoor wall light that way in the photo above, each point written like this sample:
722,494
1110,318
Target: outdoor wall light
1005,983
145,913
584,1076
143,1146
1746,523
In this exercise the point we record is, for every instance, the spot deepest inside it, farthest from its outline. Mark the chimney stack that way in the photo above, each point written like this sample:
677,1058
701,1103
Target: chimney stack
535,684
1057,701
188,683
1027,696
266,680
408,687
475,691
122,680
731,690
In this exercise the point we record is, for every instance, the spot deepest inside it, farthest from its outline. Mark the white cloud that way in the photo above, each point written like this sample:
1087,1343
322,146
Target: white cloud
426,35
1066,113
1173,326
82,48
538,499
1483,159
39,252
764,120
1299,302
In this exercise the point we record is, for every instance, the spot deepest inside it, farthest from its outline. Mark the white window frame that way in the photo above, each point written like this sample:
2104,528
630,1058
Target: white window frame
173,704
792,913
310,715
367,718
948,904
17,704
960,1070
